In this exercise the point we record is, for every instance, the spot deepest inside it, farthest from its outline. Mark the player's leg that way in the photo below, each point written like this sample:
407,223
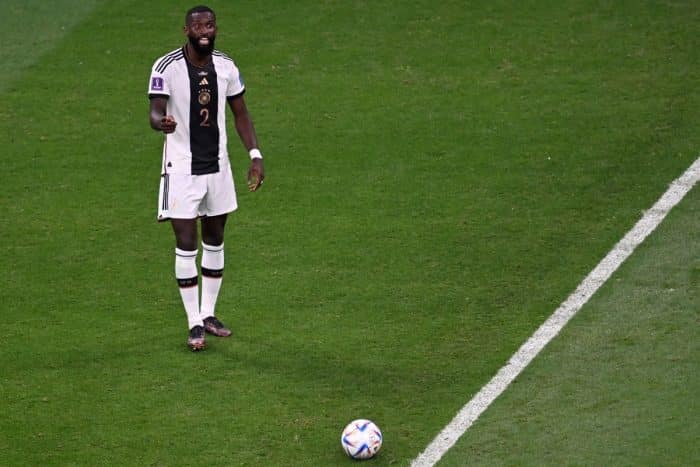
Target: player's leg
212,272
179,200
187,277
220,200
213,229
185,231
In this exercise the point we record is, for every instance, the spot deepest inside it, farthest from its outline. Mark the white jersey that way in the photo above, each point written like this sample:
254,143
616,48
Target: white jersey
197,101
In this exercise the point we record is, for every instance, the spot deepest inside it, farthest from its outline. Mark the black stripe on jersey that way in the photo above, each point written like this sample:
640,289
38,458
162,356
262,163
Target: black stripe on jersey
161,68
175,54
222,55
168,59
165,57
204,111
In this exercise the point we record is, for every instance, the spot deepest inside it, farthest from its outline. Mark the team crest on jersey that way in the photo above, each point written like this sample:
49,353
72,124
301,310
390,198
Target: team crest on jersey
204,97
156,83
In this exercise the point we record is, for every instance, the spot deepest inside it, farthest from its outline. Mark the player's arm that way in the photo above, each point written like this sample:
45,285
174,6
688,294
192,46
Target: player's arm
158,118
246,131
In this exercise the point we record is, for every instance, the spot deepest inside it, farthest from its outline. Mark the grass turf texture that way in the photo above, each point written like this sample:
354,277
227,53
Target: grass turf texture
440,177
618,386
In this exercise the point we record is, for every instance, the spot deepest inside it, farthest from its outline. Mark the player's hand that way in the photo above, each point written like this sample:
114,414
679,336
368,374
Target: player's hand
256,174
168,124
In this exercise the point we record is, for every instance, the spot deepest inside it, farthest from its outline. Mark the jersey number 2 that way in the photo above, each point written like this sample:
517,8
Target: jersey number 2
204,113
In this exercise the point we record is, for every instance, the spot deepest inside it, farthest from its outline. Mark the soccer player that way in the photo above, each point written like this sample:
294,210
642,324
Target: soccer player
188,91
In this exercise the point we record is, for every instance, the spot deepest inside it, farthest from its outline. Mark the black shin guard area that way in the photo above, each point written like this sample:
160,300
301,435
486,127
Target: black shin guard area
215,273
191,282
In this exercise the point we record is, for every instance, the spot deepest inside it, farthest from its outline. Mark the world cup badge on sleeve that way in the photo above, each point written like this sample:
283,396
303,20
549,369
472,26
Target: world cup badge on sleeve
156,83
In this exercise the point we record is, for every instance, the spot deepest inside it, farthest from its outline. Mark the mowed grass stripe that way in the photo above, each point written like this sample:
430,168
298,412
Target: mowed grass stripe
561,316
32,28
619,385
428,198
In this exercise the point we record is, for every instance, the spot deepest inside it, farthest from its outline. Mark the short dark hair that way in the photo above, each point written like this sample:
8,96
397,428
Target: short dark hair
198,9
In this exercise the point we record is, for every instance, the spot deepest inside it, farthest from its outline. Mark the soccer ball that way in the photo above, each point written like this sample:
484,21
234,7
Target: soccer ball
361,439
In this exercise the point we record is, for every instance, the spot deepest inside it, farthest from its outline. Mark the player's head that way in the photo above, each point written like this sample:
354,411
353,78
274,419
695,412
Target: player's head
200,28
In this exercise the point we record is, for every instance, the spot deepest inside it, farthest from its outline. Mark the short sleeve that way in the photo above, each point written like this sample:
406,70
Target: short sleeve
158,84
235,84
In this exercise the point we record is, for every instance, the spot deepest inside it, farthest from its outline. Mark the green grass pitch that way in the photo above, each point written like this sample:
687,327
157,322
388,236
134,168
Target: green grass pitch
440,176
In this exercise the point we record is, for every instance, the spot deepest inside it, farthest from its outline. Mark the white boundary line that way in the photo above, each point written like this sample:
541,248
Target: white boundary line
550,328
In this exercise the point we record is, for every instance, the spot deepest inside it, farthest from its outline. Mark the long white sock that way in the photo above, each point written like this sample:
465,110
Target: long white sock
186,275
212,273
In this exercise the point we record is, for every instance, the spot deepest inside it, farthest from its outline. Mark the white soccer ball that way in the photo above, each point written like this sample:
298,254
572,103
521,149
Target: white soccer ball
361,439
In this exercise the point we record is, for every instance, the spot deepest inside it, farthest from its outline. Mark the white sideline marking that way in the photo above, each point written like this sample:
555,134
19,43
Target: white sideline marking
550,328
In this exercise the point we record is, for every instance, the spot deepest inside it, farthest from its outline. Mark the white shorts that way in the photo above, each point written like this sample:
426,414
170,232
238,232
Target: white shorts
184,196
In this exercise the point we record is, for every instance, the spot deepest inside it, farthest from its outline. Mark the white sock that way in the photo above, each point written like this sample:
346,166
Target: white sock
212,272
186,275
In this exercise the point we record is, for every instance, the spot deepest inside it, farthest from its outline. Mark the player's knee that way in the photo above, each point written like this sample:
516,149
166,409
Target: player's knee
186,239
213,231
185,231
186,244
213,240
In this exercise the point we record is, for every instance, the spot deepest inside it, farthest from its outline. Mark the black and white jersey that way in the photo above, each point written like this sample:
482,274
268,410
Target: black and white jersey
197,100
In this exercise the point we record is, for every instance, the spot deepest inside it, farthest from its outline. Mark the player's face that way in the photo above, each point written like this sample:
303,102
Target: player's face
201,32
